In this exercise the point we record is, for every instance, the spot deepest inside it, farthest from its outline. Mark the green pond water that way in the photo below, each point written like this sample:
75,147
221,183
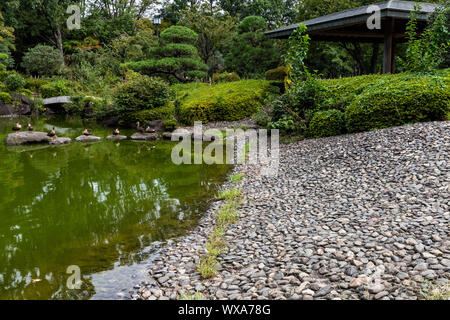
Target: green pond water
98,206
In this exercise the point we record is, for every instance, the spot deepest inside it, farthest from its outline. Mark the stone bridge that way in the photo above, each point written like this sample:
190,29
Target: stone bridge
56,100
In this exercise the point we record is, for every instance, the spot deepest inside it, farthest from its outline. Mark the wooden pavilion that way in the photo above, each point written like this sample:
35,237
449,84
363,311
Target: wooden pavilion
352,26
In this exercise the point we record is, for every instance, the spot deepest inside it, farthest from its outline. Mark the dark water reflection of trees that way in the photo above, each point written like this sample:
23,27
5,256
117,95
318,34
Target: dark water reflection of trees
95,206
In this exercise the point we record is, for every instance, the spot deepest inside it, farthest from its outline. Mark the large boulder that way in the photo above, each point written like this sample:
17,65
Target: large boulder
23,99
7,110
144,136
25,137
84,138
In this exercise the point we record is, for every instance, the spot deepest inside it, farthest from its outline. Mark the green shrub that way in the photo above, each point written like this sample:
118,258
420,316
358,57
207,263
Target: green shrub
170,124
54,89
5,98
2,67
14,82
222,102
26,92
277,74
225,77
142,93
327,123
35,84
161,113
393,103
42,60
285,124
3,75
261,118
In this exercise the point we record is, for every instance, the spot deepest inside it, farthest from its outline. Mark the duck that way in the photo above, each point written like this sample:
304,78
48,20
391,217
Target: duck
52,133
139,128
86,133
30,127
116,132
149,130
17,127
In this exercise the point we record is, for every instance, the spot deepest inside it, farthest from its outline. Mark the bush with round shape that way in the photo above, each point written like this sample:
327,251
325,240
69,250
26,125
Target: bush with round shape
225,77
394,103
54,89
141,93
42,60
277,74
14,82
326,123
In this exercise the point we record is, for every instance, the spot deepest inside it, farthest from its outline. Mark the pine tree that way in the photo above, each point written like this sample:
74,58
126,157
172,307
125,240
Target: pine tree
176,55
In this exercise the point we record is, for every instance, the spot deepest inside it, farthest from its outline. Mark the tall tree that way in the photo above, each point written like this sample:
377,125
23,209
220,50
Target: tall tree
213,28
6,42
250,52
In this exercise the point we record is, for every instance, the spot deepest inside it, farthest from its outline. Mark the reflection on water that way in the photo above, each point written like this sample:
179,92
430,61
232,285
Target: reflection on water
98,206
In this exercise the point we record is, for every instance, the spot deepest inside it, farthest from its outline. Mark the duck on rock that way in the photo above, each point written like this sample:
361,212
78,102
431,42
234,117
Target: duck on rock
17,127
52,134
30,127
86,133
116,132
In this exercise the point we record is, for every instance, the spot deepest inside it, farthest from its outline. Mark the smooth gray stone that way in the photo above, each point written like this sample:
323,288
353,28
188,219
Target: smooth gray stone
60,141
144,136
24,137
88,139
119,137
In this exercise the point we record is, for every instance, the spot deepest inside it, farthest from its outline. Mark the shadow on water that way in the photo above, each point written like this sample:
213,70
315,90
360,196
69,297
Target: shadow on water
98,206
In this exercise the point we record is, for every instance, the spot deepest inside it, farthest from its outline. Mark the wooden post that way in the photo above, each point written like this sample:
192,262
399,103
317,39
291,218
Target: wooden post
388,46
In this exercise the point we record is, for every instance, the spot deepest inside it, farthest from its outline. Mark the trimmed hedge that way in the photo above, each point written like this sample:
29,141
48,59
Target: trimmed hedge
395,103
327,123
371,101
221,102
161,113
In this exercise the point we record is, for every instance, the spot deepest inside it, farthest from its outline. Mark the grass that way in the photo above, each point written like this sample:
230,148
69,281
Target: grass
188,296
217,244
237,177
228,193
433,291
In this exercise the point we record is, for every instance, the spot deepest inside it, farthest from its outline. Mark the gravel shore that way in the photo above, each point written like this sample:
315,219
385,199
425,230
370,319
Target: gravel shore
360,216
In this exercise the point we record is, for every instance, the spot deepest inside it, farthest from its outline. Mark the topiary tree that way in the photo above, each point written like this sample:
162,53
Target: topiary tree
42,60
250,52
176,55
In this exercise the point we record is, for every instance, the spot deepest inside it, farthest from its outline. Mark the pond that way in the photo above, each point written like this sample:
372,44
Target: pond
97,206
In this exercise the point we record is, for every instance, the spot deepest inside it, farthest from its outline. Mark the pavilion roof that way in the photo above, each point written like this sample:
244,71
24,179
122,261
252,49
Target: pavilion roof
351,24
